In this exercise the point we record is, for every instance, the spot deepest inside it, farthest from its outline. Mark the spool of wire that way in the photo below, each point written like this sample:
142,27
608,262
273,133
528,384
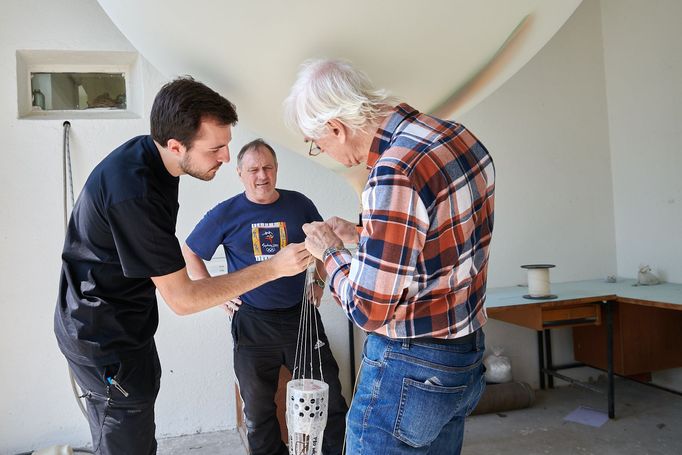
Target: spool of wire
538,281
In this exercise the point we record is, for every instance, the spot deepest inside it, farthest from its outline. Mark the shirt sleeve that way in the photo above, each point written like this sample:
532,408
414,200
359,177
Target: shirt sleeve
395,221
206,236
144,234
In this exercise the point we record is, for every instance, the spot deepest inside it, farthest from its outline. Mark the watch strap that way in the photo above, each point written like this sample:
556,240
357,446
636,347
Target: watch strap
331,250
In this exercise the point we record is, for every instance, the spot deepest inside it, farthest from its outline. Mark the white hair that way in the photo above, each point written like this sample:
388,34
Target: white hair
327,89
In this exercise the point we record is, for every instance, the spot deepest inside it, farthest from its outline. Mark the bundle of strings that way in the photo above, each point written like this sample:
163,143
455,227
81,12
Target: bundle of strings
307,397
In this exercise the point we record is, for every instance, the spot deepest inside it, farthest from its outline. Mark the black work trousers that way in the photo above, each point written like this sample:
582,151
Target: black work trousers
264,340
119,424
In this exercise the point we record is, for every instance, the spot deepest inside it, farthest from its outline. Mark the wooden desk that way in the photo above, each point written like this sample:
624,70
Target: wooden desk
625,329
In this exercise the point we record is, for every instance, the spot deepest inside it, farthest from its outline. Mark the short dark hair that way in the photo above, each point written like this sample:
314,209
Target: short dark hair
181,105
254,144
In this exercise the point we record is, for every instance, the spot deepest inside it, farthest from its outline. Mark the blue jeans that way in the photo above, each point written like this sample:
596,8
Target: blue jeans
412,396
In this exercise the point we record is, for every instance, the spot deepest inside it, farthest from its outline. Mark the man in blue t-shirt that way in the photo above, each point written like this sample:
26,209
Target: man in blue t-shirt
252,227
120,247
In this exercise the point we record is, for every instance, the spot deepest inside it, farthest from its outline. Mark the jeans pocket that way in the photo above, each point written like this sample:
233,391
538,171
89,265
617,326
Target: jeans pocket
424,410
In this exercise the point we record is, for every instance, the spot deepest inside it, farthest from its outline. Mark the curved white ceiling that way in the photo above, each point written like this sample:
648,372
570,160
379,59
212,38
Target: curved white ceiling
438,55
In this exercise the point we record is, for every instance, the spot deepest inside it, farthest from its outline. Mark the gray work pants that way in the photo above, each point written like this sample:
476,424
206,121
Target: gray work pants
119,424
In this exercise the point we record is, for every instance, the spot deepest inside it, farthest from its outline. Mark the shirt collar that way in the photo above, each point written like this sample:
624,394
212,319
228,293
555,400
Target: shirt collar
384,134
156,161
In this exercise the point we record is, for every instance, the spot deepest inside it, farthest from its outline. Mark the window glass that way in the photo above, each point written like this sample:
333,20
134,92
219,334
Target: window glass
77,91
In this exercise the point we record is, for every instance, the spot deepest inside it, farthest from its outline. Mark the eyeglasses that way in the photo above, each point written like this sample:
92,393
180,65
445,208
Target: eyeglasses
314,149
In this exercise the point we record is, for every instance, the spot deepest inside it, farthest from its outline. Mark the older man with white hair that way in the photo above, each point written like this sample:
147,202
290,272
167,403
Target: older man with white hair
418,282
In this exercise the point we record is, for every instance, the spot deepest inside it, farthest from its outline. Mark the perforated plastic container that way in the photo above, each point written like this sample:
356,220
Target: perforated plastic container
307,403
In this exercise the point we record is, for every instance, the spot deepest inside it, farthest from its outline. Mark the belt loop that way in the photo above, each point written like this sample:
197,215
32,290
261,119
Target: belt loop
406,343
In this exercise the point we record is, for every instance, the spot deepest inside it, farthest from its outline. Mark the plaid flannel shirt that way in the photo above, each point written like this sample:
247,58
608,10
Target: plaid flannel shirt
427,213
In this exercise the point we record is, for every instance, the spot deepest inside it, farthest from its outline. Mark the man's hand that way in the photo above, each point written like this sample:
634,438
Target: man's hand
232,306
319,237
291,260
315,293
344,229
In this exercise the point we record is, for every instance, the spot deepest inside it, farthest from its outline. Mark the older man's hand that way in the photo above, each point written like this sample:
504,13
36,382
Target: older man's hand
344,229
319,237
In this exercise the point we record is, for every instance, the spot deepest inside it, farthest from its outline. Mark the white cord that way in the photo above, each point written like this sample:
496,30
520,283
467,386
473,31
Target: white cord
305,333
318,346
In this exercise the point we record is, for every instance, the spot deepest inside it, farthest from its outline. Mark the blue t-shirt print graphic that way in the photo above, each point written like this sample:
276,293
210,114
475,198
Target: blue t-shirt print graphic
251,233
268,239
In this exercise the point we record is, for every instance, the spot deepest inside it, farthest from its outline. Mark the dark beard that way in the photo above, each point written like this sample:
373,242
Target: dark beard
189,169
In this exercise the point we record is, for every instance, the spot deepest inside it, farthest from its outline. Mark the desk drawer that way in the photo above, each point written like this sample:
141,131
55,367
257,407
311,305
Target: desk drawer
582,314
645,339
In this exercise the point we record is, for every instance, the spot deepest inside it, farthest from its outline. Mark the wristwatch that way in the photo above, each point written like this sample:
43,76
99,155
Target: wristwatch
319,282
331,250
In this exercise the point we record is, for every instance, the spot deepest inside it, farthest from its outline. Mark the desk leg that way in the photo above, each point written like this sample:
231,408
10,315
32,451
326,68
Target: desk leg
548,355
541,360
609,357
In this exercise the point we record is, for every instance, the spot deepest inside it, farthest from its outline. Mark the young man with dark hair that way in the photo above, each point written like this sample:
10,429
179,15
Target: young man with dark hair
120,247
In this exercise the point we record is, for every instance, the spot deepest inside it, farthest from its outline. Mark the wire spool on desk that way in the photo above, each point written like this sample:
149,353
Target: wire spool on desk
538,281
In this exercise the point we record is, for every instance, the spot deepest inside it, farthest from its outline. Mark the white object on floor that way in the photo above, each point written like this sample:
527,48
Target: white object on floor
497,366
588,416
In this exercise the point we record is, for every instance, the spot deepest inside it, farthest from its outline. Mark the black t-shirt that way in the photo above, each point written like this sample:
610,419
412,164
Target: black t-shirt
121,233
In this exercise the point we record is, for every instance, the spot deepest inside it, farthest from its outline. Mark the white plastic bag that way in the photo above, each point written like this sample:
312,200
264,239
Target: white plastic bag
498,367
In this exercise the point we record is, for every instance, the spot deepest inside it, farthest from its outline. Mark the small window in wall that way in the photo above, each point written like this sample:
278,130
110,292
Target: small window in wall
78,84
77,91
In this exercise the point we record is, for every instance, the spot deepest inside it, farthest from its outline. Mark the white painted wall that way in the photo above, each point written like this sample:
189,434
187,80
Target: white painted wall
36,404
547,131
643,66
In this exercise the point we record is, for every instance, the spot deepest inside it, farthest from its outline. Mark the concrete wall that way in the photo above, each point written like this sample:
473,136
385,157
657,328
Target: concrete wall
643,67
548,133
587,141
36,403
37,406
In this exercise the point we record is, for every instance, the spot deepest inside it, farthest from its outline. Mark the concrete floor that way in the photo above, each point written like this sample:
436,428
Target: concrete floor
648,422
